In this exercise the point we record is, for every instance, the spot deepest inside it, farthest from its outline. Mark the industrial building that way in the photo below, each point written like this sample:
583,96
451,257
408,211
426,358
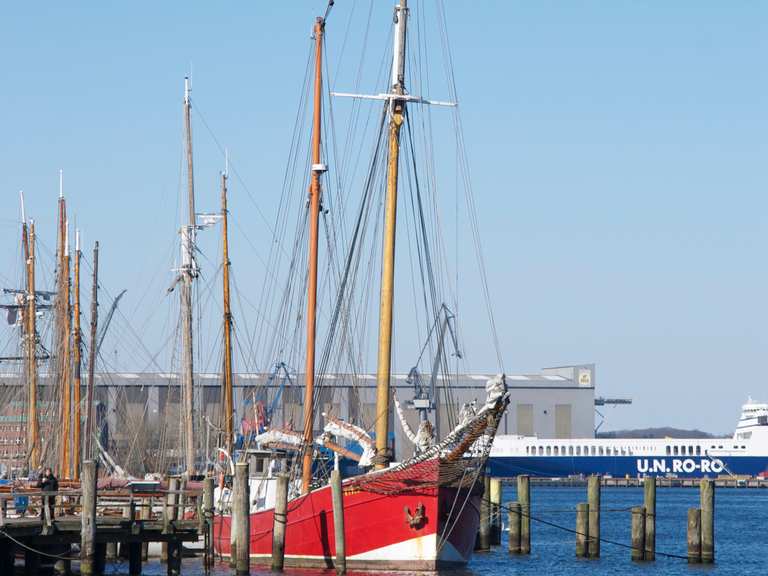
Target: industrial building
554,403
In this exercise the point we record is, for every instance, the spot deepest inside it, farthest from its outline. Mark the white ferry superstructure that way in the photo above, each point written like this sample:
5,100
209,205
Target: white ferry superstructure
743,454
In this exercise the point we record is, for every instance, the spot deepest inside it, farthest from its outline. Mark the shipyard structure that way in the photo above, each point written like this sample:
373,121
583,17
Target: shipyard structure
138,414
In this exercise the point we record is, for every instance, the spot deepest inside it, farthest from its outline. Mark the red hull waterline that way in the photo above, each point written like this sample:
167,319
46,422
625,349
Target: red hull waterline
382,529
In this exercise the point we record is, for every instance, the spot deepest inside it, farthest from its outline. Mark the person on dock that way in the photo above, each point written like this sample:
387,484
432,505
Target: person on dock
47,482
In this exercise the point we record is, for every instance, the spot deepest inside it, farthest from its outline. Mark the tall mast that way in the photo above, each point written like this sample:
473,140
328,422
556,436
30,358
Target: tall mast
62,334
33,440
227,403
314,220
188,273
76,360
88,451
396,110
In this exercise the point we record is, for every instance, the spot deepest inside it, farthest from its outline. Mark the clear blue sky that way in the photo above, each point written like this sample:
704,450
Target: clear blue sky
618,152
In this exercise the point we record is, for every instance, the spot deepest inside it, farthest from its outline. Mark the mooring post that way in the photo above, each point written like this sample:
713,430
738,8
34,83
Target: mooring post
638,533
649,489
593,499
174,558
208,510
484,534
338,522
243,519
169,515
694,536
146,514
278,526
707,489
99,558
514,528
495,511
582,530
88,518
128,515
134,559
524,497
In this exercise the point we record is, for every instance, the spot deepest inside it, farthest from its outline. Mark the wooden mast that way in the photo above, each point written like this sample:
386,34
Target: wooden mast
314,220
63,320
76,360
33,440
227,401
397,109
188,273
88,451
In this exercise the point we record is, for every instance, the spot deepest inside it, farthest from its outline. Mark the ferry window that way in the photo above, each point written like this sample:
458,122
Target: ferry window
600,451
570,448
675,451
743,447
690,450
578,450
592,449
698,448
586,450
720,447
557,451
541,451
549,450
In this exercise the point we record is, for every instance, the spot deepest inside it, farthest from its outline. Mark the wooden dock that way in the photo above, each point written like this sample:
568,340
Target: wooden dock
37,541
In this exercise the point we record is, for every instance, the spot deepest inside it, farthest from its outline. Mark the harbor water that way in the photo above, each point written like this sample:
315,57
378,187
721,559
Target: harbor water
741,539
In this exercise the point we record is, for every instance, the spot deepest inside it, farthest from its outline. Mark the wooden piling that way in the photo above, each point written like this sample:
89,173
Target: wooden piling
638,533
338,523
134,559
174,559
208,510
278,526
146,514
514,528
707,490
88,518
524,497
495,511
99,558
694,536
484,535
582,530
593,499
169,515
649,491
242,504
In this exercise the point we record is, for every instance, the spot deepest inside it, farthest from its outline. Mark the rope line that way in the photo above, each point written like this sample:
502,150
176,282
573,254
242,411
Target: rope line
600,539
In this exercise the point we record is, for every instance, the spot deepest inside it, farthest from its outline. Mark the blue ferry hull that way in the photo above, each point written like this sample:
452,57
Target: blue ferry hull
621,466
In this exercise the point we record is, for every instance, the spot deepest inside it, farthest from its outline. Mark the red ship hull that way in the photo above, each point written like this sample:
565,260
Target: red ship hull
408,526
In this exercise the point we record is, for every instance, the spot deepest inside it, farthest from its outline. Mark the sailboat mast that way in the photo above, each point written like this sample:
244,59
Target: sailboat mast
76,360
314,221
63,329
88,452
33,440
227,401
397,110
188,273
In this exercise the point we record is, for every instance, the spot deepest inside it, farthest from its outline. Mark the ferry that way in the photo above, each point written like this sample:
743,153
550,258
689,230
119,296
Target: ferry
743,454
